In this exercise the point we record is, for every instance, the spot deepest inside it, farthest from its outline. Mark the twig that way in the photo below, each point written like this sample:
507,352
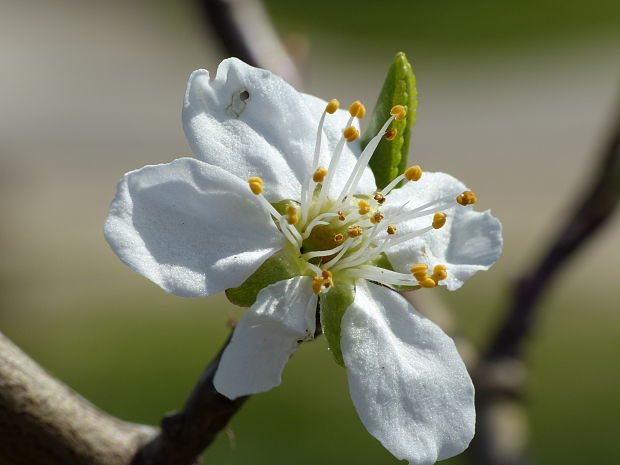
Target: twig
43,422
185,434
500,375
245,31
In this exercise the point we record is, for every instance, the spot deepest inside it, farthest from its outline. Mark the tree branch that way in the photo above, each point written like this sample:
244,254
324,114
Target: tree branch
43,422
185,434
500,376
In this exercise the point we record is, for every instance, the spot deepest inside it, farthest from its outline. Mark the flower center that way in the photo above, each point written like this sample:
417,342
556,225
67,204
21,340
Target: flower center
343,235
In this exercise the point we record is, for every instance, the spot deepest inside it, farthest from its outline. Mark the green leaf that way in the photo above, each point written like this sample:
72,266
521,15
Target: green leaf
333,305
390,158
280,266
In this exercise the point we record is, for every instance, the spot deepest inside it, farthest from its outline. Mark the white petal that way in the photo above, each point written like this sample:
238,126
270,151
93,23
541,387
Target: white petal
407,380
190,227
280,321
470,241
271,134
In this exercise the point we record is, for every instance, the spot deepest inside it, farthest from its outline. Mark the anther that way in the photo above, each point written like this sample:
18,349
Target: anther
364,207
357,109
351,133
391,229
332,106
376,218
413,173
399,112
291,212
256,185
439,273
319,174
439,219
419,268
317,284
428,283
467,198
338,238
355,230
391,134
379,197
341,216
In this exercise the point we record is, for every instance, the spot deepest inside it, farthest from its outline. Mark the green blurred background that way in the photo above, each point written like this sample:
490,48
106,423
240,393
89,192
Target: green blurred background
515,100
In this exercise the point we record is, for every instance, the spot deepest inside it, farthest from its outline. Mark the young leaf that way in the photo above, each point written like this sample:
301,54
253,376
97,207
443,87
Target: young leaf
390,157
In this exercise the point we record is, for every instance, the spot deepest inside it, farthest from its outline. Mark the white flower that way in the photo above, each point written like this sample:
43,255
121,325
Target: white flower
198,227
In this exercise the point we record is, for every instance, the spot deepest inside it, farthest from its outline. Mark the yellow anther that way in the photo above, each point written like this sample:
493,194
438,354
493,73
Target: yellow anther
326,274
439,220
332,106
439,273
319,174
338,238
391,229
428,283
379,198
341,216
399,112
293,219
413,173
351,133
364,207
291,210
376,218
419,268
256,185
357,109
467,198
355,230
390,134
317,284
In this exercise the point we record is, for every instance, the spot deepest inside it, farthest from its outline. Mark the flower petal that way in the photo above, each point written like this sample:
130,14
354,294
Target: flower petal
283,317
271,133
407,380
190,227
469,242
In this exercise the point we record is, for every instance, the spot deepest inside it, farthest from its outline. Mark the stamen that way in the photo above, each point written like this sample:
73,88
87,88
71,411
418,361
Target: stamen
364,207
427,283
351,242
322,253
341,216
398,111
467,198
351,133
439,273
317,221
327,279
332,106
291,212
319,174
419,268
439,220
379,197
317,284
391,134
256,185
357,109
391,229
338,238
355,230
376,218
413,173
362,162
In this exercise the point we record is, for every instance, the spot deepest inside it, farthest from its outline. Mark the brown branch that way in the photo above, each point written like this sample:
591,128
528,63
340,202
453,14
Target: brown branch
246,32
500,376
43,422
185,434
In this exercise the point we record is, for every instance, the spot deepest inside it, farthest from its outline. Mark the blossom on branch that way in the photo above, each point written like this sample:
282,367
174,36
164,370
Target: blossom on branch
281,210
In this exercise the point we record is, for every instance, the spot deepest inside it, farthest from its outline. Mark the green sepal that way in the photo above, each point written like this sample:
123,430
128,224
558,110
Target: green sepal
390,157
333,305
280,266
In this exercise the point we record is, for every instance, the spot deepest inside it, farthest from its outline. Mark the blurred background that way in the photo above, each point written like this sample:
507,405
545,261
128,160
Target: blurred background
516,98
